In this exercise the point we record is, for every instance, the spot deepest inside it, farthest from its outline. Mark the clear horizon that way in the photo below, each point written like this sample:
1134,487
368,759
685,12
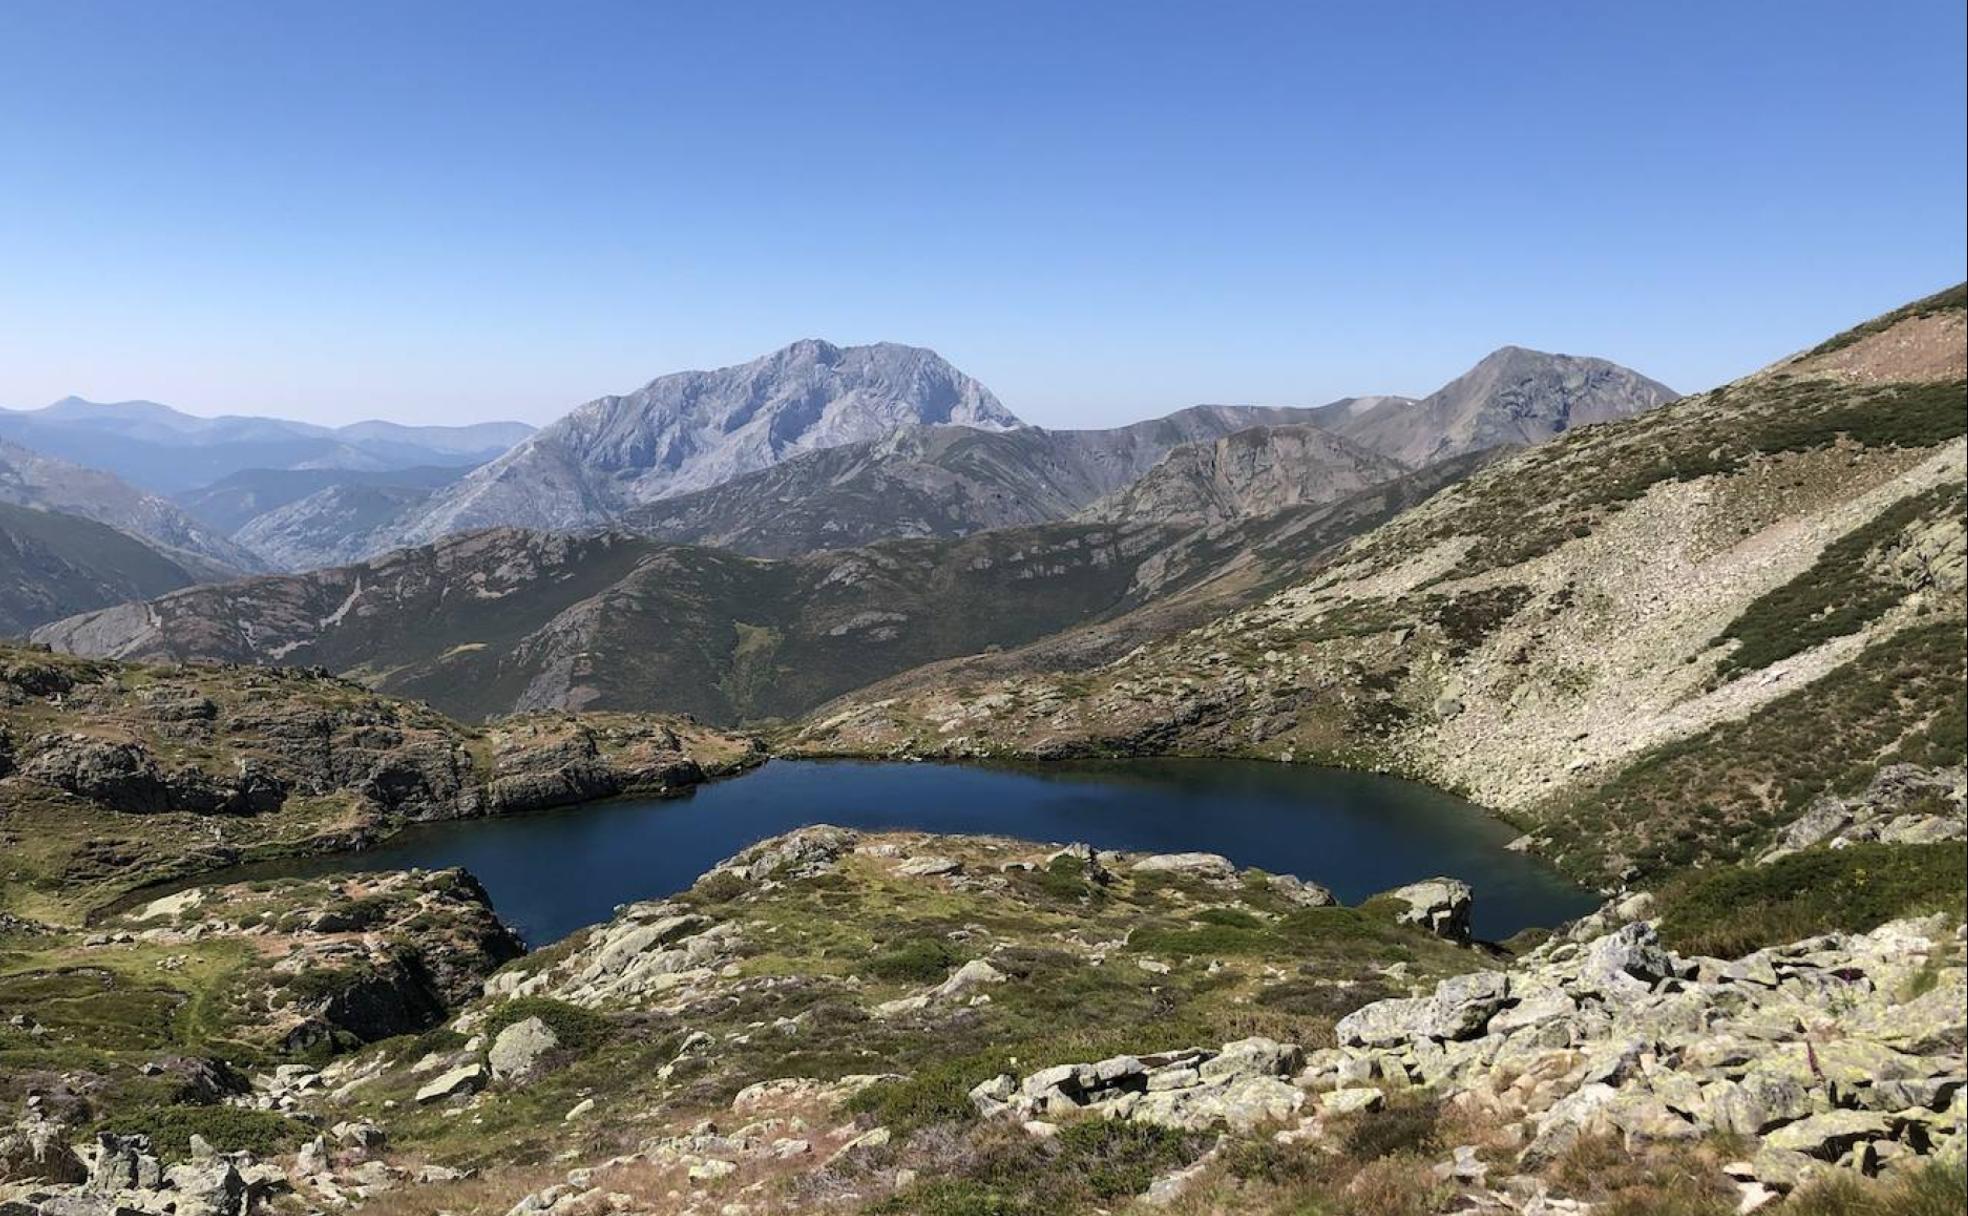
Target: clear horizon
453,214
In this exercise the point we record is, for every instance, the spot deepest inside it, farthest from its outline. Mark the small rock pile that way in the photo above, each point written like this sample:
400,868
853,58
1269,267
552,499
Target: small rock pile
1245,1084
702,1167
123,1176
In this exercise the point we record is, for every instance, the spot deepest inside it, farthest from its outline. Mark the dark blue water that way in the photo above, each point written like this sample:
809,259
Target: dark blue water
553,872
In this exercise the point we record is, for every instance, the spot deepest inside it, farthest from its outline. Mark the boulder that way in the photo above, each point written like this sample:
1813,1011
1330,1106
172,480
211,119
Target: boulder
1386,1023
1211,866
967,979
1253,1057
1463,1004
1625,963
122,776
1298,891
798,854
1351,1101
1828,1136
124,1163
519,1049
1439,905
208,1188
466,1079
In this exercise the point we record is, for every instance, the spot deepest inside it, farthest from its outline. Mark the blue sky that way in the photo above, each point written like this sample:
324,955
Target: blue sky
1104,210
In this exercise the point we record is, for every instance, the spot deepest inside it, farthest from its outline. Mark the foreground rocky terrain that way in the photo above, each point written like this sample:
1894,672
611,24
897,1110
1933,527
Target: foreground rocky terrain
901,1023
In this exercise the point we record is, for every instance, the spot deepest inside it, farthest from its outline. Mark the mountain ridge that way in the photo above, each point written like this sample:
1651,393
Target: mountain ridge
1600,617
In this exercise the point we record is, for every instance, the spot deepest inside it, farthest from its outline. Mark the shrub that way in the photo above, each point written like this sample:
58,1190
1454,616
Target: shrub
937,1093
915,960
720,887
1092,1164
1064,878
1730,912
1117,1159
228,1128
577,1029
1404,1127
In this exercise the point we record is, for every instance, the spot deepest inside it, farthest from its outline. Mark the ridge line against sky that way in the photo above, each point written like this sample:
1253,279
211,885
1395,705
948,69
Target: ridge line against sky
446,213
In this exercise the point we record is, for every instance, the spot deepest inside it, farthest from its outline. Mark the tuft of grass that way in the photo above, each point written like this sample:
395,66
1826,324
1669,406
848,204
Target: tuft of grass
1091,1165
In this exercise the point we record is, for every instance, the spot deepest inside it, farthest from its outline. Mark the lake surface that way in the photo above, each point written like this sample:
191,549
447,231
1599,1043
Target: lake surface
554,872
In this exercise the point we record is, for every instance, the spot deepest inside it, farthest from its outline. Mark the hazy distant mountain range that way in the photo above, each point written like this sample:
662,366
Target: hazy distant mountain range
916,517
166,451
32,479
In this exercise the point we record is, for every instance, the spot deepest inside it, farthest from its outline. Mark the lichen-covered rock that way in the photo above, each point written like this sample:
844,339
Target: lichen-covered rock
1200,865
1903,804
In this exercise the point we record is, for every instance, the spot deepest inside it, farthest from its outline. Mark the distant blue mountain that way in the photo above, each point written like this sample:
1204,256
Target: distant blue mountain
169,451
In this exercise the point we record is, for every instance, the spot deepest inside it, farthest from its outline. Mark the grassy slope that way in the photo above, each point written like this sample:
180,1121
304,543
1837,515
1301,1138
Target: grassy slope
53,565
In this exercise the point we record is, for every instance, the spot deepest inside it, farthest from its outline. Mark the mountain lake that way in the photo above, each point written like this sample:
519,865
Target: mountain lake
552,872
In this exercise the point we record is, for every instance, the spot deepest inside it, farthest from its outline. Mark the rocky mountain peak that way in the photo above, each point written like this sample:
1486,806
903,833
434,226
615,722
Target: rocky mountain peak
1514,395
691,430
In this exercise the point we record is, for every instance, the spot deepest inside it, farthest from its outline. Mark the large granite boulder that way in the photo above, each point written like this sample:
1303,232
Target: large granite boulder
519,1051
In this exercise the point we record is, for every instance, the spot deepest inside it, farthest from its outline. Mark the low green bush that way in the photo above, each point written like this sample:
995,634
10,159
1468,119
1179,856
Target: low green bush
577,1029
1730,912
914,960
227,1128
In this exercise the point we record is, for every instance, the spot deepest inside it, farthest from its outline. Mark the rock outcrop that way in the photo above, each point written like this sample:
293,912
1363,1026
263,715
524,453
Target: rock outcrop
1903,804
1835,1052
